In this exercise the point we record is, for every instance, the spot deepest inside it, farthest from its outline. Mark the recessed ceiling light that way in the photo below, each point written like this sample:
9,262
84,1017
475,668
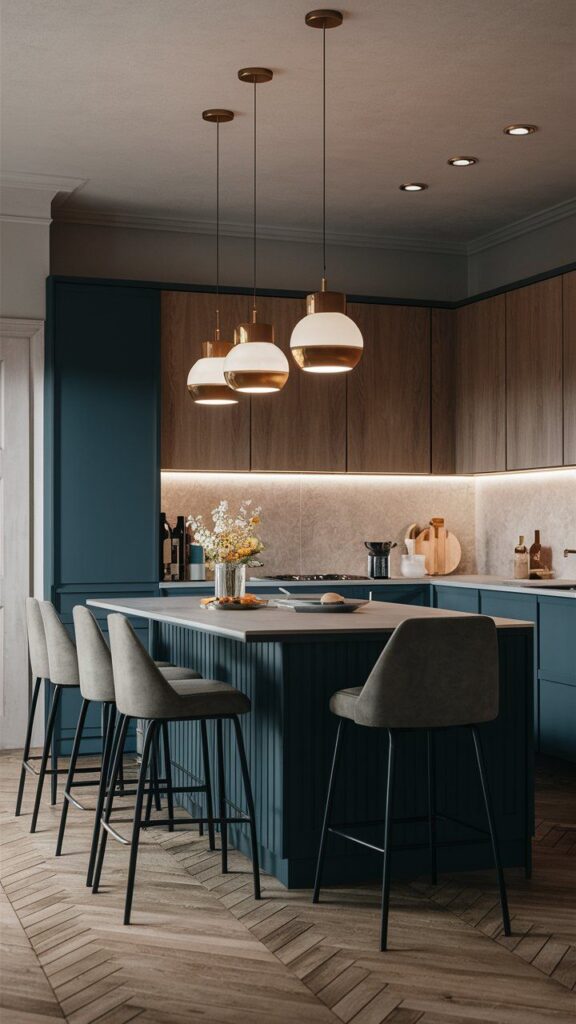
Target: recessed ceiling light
462,161
413,186
520,129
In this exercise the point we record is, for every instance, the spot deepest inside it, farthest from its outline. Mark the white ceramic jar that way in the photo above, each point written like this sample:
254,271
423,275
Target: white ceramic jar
413,565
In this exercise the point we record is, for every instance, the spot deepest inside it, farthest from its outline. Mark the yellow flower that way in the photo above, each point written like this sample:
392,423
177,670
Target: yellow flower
254,520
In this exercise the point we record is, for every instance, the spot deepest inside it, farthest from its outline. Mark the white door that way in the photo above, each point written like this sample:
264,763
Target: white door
15,528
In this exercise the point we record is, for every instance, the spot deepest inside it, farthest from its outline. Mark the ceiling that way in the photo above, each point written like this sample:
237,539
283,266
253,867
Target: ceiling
112,92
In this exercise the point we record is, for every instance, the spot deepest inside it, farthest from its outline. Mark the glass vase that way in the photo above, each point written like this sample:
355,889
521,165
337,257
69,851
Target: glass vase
229,579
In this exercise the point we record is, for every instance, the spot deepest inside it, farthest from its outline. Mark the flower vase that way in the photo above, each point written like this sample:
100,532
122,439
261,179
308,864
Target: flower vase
229,579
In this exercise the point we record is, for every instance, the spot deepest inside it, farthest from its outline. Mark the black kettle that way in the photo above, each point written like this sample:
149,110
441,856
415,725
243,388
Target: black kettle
379,558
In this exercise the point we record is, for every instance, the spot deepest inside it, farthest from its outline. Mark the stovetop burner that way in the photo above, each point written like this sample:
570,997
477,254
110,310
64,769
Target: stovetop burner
318,577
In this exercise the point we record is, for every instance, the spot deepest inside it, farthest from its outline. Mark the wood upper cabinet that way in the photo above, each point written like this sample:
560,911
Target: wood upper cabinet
534,375
480,387
569,375
303,427
389,391
197,437
443,390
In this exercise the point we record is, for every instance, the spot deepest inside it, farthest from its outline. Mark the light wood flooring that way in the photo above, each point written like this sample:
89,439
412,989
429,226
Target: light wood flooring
201,950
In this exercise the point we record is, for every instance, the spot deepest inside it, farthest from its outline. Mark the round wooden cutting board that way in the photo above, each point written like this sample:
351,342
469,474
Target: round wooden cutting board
442,553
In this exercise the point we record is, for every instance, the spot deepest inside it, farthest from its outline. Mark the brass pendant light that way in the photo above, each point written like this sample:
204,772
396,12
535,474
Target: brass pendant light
325,340
206,381
255,365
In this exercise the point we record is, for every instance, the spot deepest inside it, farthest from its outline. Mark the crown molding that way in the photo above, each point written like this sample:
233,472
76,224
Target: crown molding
551,215
103,218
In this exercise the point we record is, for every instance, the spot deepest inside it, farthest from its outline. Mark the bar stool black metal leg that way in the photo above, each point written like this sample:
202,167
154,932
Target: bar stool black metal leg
45,755
54,766
387,843
27,742
250,803
492,827
156,771
70,776
208,781
328,810
168,774
222,797
102,790
430,756
119,741
149,739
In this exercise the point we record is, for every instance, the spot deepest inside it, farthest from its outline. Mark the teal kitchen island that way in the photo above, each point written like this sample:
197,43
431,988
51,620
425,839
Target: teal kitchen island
289,664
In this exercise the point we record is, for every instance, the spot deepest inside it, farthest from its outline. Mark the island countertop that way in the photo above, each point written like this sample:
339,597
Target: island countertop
272,623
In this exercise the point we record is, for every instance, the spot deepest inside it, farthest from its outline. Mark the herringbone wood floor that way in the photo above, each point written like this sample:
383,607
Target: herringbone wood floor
200,948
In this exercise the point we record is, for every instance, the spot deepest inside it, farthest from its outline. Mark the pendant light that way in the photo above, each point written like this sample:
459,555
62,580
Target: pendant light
206,382
255,366
325,340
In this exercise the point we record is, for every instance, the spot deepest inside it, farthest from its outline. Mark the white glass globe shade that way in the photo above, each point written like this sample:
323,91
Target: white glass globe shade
207,383
326,343
256,368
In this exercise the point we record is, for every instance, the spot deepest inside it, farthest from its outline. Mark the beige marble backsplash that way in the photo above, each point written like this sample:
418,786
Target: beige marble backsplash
319,523
507,506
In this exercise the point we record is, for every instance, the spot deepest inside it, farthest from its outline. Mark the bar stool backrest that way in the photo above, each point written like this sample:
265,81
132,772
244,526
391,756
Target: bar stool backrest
94,658
62,657
433,673
36,640
141,690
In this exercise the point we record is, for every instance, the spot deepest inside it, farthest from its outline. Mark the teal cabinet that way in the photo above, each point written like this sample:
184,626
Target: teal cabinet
102,461
557,719
400,593
557,677
457,599
516,606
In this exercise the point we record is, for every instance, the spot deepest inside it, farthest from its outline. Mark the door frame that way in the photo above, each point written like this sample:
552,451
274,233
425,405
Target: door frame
31,333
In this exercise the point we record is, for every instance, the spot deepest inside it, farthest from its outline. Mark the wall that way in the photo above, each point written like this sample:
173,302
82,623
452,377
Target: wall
319,523
177,256
497,260
507,506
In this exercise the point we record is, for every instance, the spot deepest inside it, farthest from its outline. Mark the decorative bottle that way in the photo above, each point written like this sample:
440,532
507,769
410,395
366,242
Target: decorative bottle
536,552
521,560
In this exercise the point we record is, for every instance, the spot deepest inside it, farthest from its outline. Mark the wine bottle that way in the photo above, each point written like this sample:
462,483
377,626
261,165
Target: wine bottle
165,544
536,552
521,560
179,533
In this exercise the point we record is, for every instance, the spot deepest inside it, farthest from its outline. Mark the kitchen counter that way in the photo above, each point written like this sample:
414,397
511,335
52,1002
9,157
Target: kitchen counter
484,581
289,664
272,623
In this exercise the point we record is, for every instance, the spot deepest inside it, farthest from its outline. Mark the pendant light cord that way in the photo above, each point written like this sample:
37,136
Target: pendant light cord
218,230
254,214
324,152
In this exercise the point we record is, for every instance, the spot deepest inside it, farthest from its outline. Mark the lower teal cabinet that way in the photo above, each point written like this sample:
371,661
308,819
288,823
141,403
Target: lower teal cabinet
400,593
457,599
557,719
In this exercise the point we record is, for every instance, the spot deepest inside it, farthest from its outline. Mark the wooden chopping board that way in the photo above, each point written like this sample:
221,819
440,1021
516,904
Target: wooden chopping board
441,548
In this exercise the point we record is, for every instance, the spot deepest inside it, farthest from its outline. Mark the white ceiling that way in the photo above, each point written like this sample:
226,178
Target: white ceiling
111,91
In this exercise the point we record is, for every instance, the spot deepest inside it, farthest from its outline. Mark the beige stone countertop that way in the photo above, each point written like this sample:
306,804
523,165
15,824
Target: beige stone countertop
550,588
272,623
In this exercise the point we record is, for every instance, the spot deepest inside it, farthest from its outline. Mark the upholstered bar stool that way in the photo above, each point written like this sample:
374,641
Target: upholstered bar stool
142,692
96,686
433,674
40,667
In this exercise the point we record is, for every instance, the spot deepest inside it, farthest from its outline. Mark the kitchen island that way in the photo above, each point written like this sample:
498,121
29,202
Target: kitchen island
289,664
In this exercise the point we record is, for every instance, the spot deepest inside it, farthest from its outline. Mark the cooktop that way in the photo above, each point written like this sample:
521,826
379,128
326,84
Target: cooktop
315,577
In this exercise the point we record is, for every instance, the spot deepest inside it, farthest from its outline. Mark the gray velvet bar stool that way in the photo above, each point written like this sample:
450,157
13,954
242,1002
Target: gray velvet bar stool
433,674
40,667
142,692
96,682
